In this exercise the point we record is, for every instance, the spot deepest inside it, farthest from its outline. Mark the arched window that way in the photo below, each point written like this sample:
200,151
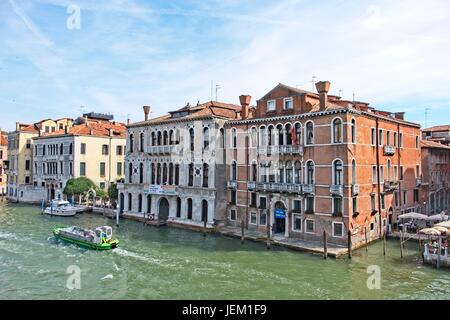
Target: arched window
204,210
61,149
233,138
141,173
189,209
337,130
309,133
338,173
253,137
353,171
131,143
254,175
221,139
288,130
353,128
191,175
149,203
297,172
141,142
262,136
178,207
170,173
158,173
164,177
140,203
177,174
310,172
159,138
288,170
205,175
71,148
165,138
298,134
153,173
130,172
233,176
281,172
205,138
153,139
280,134
191,139
271,135
171,137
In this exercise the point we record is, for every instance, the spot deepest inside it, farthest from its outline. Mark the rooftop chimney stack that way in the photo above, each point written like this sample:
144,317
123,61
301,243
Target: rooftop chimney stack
147,110
17,126
323,87
245,103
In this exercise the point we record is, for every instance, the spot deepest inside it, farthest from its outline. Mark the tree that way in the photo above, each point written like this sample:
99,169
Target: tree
113,193
78,186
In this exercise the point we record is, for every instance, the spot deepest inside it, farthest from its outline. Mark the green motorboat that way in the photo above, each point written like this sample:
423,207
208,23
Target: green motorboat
100,239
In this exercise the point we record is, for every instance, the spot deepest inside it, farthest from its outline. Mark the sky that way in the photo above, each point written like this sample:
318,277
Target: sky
117,55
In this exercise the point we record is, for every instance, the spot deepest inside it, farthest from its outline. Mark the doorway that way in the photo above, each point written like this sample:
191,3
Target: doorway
163,213
280,218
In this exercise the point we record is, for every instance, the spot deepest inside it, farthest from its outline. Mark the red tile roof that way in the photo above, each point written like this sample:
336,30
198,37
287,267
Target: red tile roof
432,144
93,128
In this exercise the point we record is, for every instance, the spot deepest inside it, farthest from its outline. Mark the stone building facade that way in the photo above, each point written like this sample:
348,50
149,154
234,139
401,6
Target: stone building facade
175,168
94,147
301,164
3,161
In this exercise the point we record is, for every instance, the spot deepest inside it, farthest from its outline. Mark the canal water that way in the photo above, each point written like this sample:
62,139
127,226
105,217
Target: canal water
168,263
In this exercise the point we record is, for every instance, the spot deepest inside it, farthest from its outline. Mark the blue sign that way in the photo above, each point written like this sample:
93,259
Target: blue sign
280,214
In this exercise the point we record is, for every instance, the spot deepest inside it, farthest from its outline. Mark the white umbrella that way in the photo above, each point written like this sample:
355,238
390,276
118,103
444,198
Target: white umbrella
430,232
413,215
437,217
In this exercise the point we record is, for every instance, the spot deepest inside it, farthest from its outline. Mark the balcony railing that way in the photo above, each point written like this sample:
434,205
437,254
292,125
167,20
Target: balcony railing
251,185
355,189
284,149
391,186
308,188
232,184
155,150
389,150
279,187
337,190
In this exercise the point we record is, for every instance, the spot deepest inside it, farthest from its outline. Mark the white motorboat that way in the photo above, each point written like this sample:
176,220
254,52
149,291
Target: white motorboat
61,208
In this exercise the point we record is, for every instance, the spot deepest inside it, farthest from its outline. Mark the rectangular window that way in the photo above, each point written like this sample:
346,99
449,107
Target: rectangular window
47,129
355,204
233,215
383,201
400,142
119,150
380,137
27,165
337,206
105,149
338,229
372,226
381,174
83,148
102,185
372,202
374,175
372,142
102,169
297,206
119,168
233,197
416,195
396,198
405,196
297,225
395,173
417,171
401,172
27,180
253,199
262,203
395,140
309,204
309,226
82,169
253,218
271,105
388,138
262,219
288,103
28,143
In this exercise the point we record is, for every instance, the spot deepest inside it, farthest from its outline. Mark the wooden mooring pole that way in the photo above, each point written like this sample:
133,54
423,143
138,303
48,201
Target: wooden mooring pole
268,233
325,245
349,244
242,232
365,236
438,262
384,243
401,244
204,227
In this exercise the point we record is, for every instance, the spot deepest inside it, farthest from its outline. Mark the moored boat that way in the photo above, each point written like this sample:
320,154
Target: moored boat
98,239
61,208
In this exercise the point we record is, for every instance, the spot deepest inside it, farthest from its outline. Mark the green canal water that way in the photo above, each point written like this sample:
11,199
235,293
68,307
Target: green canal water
170,263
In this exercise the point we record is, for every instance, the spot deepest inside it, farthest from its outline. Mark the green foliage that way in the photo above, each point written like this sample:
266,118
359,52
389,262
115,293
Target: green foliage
113,192
79,186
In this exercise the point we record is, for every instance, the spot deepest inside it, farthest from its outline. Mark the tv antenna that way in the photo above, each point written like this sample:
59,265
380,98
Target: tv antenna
218,87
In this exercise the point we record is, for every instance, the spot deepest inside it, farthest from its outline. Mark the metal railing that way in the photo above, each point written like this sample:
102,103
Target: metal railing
337,190
389,150
355,189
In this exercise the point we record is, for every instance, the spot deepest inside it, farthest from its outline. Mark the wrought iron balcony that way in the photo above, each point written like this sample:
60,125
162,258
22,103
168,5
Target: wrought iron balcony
251,185
232,184
278,187
337,190
355,189
389,150
308,188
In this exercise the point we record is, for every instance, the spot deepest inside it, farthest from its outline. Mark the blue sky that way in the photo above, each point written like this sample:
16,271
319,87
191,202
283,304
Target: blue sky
130,53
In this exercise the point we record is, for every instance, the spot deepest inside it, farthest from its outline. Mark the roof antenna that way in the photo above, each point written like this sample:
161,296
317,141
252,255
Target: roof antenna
218,87
340,92
313,82
212,84
353,97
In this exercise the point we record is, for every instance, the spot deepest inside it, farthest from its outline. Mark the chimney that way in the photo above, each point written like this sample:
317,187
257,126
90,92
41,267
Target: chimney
322,88
128,121
146,111
245,102
400,115
17,126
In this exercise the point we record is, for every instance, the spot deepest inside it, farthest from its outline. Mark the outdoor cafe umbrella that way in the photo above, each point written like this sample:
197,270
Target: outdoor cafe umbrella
413,215
437,217
442,230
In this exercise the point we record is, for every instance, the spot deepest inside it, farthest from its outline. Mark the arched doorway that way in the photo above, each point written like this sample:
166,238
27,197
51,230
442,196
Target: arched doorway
149,203
280,218
163,213
390,219
122,203
204,210
52,192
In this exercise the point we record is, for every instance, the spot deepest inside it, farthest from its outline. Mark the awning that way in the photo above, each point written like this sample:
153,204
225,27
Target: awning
413,215
438,217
